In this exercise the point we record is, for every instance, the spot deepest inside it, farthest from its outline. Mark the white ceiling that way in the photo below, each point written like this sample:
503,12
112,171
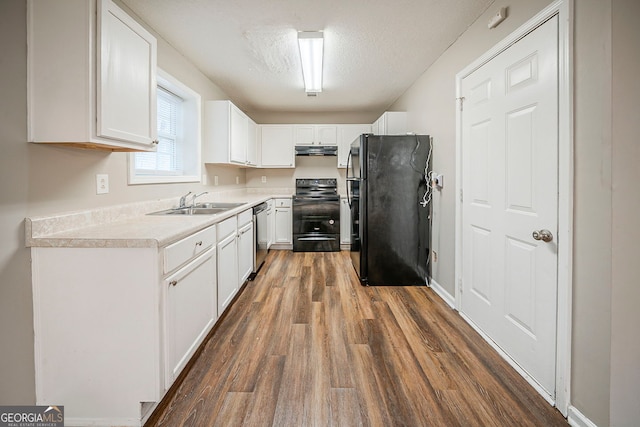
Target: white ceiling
374,49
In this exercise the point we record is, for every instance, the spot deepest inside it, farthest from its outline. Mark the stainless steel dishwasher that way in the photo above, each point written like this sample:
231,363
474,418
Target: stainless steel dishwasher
260,237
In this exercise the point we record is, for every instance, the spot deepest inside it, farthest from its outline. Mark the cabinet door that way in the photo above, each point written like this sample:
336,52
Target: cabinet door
190,311
303,135
326,134
345,222
239,135
126,86
277,146
395,123
375,127
346,135
270,227
283,228
315,134
227,271
245,252
252,144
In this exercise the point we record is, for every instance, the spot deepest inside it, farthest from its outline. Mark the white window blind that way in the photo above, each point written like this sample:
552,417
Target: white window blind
167,160
177,156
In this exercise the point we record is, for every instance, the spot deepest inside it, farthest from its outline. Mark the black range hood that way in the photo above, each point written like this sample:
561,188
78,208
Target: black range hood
316,150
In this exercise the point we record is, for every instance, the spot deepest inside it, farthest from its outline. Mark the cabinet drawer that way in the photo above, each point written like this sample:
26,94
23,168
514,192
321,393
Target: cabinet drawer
283,203
226,228
245,218
180,252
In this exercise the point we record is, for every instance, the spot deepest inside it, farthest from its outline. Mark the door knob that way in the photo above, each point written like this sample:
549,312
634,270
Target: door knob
544,235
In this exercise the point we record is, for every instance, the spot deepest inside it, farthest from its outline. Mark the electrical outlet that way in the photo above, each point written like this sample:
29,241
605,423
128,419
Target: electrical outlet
204,179
102,184
215,180
264,179
237,180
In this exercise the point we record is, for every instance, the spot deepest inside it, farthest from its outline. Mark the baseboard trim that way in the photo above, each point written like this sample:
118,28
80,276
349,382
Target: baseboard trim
443,294
578,419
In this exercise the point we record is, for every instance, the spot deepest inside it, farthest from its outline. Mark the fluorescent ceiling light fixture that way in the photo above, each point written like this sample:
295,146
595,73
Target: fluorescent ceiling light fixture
311,45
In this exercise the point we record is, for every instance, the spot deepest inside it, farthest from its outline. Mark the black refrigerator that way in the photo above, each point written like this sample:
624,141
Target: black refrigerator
390,200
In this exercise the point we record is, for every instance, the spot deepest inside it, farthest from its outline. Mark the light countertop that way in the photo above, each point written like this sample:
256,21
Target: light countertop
129,226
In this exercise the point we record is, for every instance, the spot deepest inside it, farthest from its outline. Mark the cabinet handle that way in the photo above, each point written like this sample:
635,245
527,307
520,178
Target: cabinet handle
199,243
173,282
155,141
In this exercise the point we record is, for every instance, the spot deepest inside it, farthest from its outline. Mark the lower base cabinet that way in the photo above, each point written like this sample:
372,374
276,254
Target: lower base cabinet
113,327
191,311
283,224
98,335
227,263
245,246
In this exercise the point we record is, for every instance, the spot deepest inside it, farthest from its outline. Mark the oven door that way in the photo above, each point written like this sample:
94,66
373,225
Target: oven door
316,216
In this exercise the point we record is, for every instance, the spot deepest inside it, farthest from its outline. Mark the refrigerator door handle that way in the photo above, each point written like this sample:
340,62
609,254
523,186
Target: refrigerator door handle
348,184
347,179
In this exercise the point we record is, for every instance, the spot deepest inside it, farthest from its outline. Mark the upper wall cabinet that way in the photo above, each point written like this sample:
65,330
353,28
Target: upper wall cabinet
252,143
277,146
346,135
91,76
227,135
390,123
315,134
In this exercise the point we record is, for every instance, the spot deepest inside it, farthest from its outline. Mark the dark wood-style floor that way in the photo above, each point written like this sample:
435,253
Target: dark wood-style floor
306,345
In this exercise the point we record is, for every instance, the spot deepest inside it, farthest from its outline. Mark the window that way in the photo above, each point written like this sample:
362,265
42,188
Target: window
177,157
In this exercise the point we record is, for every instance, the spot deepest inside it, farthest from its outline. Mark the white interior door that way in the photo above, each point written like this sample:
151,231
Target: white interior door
510,191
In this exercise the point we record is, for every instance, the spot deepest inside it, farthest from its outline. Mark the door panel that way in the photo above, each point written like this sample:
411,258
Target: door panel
510,187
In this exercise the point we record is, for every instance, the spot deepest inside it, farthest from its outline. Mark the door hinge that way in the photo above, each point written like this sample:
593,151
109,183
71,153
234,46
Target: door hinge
460,285
460,102
461,198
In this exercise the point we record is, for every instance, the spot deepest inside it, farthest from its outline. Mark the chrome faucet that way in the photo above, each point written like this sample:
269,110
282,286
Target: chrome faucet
183,200
195,196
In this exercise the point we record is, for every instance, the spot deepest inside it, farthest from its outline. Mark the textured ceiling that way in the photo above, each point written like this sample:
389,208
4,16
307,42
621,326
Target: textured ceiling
374,49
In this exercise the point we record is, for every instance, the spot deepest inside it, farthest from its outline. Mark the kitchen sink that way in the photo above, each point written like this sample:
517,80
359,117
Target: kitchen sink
205,208
217,205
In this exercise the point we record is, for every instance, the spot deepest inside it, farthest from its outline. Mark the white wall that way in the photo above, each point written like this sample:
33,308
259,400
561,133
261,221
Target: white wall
431,106
625,292
16,324
306,167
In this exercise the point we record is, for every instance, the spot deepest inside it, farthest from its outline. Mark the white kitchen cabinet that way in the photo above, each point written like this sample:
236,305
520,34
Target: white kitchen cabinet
391,123
245,245
283,222
271,225
315,134
345,222
277,148
190,311
91,76
252,144
113,327
346,135
228,283
227,135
